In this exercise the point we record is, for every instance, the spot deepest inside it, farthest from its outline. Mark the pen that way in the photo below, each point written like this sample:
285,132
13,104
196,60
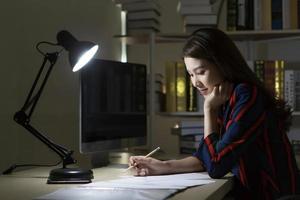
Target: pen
146,156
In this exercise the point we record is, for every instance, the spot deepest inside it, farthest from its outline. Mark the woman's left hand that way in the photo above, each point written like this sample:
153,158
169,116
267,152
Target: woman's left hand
218,96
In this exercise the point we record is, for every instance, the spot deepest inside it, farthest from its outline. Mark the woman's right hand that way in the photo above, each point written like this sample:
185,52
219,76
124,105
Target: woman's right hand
147,166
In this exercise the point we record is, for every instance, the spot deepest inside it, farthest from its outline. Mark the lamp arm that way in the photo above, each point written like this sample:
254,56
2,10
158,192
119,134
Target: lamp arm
22,118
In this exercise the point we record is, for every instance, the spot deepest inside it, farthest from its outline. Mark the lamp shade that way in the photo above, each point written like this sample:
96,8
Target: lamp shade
80,52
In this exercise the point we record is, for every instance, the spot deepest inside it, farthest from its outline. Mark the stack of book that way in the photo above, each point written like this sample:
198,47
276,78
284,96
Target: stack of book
197,14
190,133
143,16
181,95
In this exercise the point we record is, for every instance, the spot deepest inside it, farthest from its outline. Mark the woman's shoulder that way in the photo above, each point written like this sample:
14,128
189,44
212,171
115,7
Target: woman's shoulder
247,91
245,88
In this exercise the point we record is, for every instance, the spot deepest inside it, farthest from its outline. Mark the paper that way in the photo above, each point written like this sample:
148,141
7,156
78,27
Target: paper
176,181
131,187
106,194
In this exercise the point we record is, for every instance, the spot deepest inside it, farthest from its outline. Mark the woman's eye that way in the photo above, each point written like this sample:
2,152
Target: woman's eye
200,72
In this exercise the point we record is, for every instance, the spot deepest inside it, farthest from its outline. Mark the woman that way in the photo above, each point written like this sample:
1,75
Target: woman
244,125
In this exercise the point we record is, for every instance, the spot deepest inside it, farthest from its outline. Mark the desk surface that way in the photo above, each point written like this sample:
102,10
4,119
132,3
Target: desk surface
29,184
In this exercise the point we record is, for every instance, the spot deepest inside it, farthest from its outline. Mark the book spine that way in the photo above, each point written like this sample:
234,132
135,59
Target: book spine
289,88
297,89
259,69
257,15
276,13
231,15
180,87
269,78
170,74
277,85
266,15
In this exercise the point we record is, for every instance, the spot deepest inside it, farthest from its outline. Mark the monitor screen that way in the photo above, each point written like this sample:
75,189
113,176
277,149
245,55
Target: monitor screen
112,106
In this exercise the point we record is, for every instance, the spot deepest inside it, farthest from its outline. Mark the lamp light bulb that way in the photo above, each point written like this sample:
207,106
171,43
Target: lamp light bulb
85,58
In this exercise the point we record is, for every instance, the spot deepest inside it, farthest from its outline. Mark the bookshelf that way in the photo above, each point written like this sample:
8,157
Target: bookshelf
244,36
162,121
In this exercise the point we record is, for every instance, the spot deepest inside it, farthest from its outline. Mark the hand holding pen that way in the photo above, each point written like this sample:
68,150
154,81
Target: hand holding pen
146,156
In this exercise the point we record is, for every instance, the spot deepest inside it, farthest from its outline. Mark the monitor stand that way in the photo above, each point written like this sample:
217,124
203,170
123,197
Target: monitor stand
100,159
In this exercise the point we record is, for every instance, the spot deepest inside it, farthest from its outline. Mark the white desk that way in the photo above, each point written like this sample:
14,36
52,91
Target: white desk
29,184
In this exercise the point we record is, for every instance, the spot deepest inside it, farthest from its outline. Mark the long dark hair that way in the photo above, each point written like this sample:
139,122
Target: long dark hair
216,47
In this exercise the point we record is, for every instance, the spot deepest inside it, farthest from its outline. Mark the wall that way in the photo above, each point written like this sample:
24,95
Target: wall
23,24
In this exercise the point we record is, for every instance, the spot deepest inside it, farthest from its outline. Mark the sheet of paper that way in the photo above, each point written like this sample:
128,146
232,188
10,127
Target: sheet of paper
176,181
106,194
131,187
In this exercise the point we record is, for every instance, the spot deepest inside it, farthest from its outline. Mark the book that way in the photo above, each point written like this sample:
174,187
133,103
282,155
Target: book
194,2
189,144
139,6
231,15
297,89
257,4
269,75
290,14
276,14
141,31
289,88
189,124
259,69
146,14
196,138
266,15
194,9
279,75
130,1
241,15
187,131
200,19
170,74
180,87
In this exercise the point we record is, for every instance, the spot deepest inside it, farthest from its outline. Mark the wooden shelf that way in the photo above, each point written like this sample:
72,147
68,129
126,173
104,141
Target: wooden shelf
235,35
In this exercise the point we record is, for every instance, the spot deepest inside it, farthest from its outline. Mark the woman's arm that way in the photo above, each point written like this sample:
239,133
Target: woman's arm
246,117
212,104
150,166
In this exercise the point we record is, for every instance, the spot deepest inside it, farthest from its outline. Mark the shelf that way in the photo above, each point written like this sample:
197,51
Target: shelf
235,35
181,114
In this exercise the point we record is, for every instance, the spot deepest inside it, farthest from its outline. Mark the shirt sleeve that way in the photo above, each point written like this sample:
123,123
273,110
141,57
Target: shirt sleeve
219,155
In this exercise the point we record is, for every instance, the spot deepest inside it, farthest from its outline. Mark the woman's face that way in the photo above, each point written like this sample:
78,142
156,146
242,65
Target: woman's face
204,75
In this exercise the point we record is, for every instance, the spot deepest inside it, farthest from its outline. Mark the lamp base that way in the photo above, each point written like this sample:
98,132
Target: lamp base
70,175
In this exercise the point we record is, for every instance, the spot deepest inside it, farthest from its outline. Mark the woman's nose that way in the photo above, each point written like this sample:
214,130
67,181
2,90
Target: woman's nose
198,83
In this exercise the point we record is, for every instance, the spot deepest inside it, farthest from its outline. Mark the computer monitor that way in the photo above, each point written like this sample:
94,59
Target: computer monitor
113,106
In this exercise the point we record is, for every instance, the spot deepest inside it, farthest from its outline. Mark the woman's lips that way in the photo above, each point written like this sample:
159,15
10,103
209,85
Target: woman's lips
203,91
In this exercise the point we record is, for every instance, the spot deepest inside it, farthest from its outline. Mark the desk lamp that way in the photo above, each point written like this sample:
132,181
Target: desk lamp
80,53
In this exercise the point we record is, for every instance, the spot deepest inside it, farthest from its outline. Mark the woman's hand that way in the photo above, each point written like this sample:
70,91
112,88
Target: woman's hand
147,166
218,96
